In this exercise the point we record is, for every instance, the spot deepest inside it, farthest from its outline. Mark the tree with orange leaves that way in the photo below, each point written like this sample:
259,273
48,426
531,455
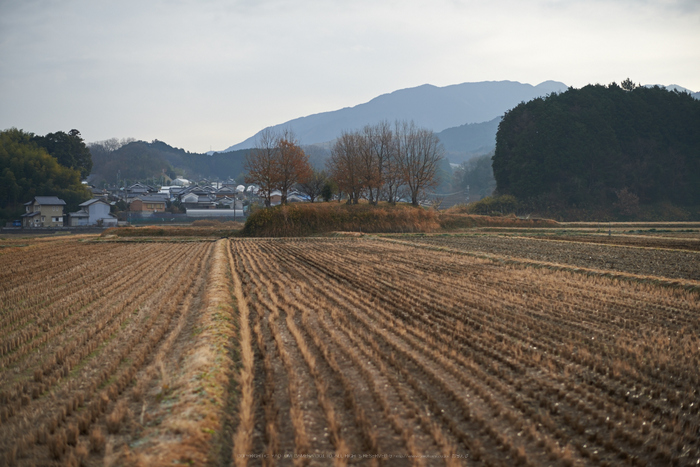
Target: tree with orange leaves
293,165
276,163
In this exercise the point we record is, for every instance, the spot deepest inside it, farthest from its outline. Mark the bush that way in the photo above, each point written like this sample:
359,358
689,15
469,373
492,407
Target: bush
308,219
499,206
215,229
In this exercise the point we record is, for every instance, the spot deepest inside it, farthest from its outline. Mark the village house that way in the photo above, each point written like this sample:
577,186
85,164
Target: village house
225,192
194,201
147,204
93,212
43,211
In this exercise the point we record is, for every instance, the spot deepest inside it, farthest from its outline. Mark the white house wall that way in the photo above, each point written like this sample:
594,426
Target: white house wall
97,211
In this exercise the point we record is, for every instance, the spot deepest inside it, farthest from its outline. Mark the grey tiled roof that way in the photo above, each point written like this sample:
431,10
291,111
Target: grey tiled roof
80,213
47,200
92,201
152,199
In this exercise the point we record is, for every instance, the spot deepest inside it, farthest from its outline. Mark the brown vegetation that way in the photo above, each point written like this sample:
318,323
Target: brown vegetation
276,163
413,351
302,219
465,358
381,162
308,219
80,323
666,263
213,229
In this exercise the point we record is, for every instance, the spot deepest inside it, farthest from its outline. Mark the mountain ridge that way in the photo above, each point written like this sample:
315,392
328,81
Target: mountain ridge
430,106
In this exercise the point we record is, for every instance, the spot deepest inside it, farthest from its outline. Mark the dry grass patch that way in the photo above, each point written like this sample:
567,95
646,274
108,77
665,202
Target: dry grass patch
197,391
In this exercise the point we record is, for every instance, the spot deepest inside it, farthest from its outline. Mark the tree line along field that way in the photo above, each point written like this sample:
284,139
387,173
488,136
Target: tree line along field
345,351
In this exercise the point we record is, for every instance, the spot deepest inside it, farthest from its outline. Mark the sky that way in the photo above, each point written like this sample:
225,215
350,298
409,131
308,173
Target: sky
207,74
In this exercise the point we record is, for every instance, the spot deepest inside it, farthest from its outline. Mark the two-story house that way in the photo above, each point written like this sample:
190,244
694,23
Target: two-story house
43,211
148,204
93,212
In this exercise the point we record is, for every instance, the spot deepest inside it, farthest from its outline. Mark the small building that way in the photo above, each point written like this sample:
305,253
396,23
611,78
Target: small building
275,198
296,198
225,192
147,204
193,200
93,212
43,211
231,203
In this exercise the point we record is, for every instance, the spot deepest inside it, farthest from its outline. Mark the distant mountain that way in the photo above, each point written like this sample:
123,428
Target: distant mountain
432,107
466,141
140,160
675,87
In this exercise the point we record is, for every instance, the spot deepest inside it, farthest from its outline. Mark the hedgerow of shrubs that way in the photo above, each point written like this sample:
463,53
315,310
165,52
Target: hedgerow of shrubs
308,219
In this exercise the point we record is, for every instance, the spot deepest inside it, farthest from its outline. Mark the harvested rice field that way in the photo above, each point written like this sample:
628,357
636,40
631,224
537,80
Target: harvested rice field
410,350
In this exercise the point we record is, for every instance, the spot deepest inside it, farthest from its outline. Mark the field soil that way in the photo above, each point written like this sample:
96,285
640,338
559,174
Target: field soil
416,350
642,256
669,241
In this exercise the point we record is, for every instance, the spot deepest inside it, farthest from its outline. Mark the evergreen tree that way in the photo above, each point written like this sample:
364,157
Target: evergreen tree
27,170
69,149
584,146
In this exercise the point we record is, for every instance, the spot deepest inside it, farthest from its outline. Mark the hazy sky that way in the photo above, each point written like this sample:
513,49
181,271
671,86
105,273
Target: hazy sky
209,73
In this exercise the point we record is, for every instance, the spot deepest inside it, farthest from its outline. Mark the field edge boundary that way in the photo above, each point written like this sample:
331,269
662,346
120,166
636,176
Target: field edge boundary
687,284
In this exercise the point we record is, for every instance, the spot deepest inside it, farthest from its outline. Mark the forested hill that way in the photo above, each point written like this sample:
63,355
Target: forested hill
601,147
139,160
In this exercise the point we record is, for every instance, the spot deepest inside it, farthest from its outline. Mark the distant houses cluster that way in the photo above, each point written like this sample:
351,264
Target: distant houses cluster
206,199
47,211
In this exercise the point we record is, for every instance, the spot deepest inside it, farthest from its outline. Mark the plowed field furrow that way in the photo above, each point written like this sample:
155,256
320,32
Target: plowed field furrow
516,316
98,313
94,274
500,363
358,397
346,365
348,351
385,441
423,369
631,385
118,340
97,367
681,264
281,431
325,434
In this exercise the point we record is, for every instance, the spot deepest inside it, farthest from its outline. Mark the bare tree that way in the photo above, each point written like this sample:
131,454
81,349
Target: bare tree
375,149
344,165
392,178
418,152
261,164
384,163
313,187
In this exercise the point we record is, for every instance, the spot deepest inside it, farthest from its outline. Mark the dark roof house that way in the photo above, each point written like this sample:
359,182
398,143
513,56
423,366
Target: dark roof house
43,211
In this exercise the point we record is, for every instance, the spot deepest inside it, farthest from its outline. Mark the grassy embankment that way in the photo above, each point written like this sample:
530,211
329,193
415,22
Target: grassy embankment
323,218
300,220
